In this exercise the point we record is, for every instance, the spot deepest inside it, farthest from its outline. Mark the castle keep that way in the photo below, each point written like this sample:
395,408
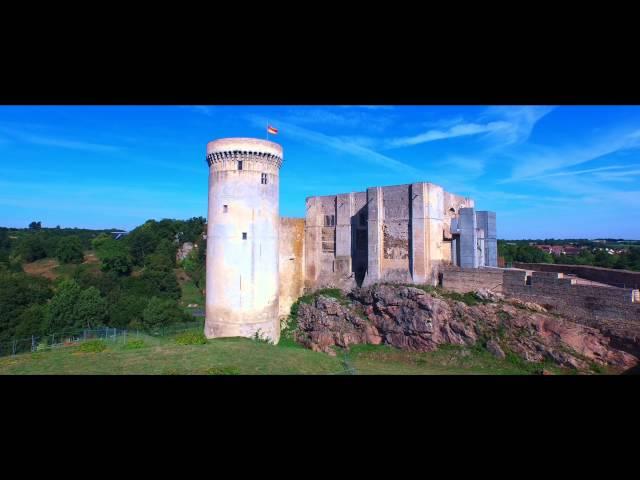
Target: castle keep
402,233
258,264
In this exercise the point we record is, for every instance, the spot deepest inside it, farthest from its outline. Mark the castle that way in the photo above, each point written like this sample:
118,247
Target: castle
258,263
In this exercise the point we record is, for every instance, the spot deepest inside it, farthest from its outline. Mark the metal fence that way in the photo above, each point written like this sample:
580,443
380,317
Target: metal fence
71,337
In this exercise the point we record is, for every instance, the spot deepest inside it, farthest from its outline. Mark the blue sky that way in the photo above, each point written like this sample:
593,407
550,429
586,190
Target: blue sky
569,171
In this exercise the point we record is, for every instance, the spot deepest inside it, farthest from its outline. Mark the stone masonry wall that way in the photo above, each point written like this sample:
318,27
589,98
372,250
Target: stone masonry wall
617,278
610,309
291,262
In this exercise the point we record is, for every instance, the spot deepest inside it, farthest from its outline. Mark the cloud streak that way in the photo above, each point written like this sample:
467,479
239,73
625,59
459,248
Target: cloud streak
543,162
57,142
341,145
504,125
460,130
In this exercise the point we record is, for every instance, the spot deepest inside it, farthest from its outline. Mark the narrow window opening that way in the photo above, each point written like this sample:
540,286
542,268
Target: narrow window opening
244,235
239,164
225,208
263,180
329,220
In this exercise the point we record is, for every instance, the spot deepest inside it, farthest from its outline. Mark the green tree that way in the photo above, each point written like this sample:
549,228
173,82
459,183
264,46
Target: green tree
69,250
142,241
161,312
114,256
127,311
32,321
32,248
91,310
162,283
62,308
73,307
35,225
17,293
194,266
100,240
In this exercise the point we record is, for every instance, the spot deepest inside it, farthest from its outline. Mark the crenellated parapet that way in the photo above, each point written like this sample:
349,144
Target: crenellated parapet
225,153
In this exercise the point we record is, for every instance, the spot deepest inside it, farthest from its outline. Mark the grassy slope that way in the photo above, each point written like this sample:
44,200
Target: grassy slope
245,356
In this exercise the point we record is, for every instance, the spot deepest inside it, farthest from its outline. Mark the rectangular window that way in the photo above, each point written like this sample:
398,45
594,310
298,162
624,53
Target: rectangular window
244,235
329,220
328,240
225,208
239,164
263,180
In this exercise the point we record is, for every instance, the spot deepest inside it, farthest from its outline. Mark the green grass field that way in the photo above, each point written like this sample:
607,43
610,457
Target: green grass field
148,355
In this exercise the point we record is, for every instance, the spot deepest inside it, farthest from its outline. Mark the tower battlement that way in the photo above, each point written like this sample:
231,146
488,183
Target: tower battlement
244,149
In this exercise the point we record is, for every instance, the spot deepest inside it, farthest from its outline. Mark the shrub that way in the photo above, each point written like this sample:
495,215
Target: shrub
191,338
69,250
133,344
259,336
160,313
93,346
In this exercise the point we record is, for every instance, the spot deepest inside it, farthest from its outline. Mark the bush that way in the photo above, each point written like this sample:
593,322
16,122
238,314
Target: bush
127,311
69,250
32,248
133,344
191,338
93,346
161,313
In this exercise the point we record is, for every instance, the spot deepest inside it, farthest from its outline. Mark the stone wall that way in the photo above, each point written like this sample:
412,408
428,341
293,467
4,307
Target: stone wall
464,280
291,262
613,277
610,309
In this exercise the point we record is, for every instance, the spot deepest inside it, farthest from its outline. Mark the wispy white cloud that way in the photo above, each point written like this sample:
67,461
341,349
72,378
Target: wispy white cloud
460,130
360,118
519,122
58,142
339,144
503,125
543,162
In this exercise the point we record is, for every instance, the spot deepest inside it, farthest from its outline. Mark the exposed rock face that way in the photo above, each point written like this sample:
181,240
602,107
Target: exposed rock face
184,251
408,318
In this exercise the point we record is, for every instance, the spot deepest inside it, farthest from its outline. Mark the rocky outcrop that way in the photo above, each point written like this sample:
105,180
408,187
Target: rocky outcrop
183,251
411,319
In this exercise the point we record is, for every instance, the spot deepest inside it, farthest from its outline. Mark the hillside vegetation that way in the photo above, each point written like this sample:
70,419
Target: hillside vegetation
148,355
57,279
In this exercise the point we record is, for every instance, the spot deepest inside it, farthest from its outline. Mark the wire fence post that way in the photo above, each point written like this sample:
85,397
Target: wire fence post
14,346
33,343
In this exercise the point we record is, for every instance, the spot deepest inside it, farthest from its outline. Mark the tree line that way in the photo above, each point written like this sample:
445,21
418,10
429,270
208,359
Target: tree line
134,287
594,256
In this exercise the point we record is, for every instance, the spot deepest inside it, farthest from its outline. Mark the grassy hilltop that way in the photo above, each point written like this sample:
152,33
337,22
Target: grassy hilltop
148,355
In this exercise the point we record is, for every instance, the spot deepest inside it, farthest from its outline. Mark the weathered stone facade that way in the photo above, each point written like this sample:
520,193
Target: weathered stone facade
400,233
258,264
243,281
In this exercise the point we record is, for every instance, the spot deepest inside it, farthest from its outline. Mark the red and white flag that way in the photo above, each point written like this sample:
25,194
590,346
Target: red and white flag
272,130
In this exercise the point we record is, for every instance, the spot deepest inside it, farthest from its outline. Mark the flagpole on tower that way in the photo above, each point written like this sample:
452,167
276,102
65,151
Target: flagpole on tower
267,130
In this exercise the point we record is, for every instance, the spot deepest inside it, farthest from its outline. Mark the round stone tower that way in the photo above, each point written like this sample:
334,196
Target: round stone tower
242,238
